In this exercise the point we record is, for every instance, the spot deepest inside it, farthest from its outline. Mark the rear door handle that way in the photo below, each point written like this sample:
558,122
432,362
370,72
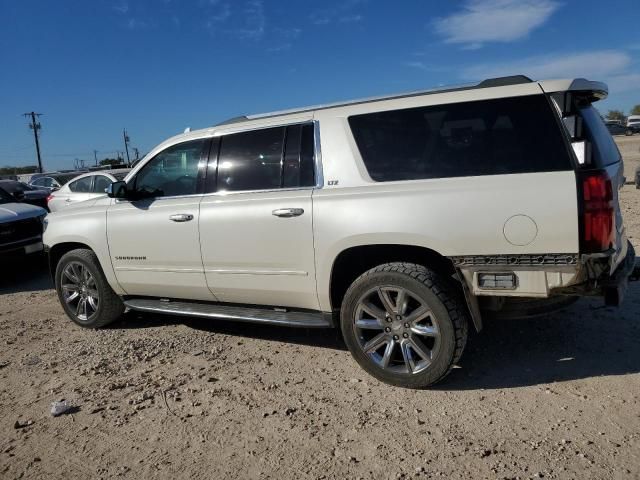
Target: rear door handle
288,212
181,217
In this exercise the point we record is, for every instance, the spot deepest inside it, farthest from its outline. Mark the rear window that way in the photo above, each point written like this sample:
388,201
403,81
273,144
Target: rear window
489,137
603,147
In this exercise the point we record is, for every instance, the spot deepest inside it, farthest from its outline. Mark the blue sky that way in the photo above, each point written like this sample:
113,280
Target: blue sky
158,66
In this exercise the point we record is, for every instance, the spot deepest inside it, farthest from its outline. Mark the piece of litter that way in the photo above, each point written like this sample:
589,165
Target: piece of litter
59,408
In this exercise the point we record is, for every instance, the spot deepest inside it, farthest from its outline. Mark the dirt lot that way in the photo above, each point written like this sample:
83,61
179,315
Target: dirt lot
164,397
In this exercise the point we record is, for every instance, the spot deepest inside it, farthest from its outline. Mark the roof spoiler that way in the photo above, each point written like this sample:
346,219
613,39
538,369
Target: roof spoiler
593,90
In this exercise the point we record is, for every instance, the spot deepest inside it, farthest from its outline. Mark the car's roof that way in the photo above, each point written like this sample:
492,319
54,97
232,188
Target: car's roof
548,86
111,173
597,90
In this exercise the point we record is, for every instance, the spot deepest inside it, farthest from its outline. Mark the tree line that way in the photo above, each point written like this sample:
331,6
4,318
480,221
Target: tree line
619,114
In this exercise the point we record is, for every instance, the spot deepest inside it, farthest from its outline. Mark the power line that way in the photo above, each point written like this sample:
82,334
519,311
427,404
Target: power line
35,126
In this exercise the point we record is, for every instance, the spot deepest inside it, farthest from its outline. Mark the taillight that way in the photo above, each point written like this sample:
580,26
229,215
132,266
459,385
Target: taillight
49,198
598,220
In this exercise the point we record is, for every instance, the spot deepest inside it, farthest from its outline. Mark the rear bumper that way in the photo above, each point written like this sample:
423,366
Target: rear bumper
615,285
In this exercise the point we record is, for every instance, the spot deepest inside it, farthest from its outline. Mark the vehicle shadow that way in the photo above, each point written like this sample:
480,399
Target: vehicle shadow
582,341
24,274
316,337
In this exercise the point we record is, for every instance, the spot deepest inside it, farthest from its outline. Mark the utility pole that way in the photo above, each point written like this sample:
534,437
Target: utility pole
126,145
137,153
35,126
95,156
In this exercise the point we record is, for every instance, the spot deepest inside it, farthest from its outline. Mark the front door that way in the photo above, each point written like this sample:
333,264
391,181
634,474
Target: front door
256,229
153,238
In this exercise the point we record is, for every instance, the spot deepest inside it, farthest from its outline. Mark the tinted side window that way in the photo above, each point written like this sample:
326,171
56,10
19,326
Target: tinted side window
489,137
81,186
101,183
172,172
298,170
251,160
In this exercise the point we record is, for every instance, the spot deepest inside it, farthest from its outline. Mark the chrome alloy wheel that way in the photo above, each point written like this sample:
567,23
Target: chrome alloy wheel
79,290
396,330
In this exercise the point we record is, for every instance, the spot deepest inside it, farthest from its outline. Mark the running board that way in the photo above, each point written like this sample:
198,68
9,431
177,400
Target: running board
232,313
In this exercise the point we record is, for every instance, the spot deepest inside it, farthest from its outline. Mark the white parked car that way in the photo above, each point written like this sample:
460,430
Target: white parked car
403,220
84,187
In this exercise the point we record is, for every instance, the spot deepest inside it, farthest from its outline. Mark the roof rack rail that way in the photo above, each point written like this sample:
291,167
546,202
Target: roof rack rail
503,81
490,82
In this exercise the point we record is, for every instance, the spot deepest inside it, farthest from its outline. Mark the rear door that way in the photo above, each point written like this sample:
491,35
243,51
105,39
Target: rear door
256,225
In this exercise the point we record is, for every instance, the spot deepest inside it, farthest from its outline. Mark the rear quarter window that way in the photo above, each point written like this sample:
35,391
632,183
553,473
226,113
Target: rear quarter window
489,137
604,150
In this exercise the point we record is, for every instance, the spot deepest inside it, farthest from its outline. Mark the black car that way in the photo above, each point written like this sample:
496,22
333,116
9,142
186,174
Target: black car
24,193
616,129
638,178
21,227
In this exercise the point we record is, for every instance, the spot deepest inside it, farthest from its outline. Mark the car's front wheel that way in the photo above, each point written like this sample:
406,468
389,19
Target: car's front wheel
84,292
404,324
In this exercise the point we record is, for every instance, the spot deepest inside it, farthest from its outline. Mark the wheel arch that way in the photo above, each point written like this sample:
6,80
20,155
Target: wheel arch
353,261
56,251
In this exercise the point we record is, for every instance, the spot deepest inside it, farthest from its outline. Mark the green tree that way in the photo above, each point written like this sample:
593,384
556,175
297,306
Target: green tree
110,161
635,110
615,115
18,170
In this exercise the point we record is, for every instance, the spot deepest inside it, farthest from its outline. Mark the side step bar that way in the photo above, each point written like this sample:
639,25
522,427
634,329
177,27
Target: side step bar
233,313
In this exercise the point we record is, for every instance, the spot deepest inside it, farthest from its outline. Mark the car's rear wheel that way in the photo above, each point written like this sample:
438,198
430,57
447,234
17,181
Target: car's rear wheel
84,292
404,324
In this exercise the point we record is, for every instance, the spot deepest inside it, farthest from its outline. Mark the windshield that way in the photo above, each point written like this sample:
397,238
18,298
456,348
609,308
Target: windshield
5,197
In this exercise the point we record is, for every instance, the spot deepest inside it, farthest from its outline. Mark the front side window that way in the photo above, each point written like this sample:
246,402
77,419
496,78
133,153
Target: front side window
251,160
488,137
44,182
82,185
101,183
172,172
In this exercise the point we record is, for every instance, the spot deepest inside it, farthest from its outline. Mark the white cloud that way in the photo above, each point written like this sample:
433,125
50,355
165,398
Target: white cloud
483,21
343,13
418,65
122,8
624,83
615,68
597,64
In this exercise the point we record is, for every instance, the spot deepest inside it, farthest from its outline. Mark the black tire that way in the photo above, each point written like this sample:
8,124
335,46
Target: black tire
109,306
433,292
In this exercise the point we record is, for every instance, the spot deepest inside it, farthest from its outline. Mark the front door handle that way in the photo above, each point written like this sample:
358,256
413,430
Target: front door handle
181,217
288,212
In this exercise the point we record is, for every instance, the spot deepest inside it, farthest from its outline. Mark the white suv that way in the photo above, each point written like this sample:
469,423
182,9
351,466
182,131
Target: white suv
403,219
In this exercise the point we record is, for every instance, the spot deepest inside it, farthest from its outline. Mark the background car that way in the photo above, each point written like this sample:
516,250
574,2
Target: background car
638,177
25,193
53,181
20,226
84,187
633,124
616,128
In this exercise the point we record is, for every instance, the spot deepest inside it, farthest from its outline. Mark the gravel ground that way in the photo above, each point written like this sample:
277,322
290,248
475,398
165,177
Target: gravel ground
165,397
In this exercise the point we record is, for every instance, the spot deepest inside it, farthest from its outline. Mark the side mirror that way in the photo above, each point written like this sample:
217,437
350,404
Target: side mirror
18,195
117,190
